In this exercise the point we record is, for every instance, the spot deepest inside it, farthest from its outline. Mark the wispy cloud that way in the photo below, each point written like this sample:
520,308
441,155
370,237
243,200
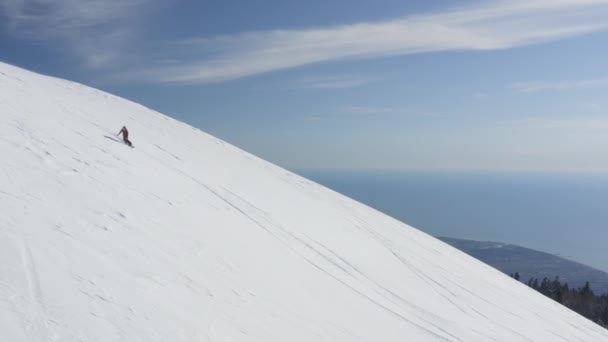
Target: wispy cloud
537,86
362,112
587,124
598,124
331,82
350,113
365,110
103,33
481,96
96,31
498,25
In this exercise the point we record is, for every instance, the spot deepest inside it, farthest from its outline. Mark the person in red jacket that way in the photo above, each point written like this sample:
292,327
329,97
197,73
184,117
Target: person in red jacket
125,135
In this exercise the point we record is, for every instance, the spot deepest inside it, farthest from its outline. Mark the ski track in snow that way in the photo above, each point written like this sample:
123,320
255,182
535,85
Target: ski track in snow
188,238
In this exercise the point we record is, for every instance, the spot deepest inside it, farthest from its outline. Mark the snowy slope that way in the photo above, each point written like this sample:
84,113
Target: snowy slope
187,238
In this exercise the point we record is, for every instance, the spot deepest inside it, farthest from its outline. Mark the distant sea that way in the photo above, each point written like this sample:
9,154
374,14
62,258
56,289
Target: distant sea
562,214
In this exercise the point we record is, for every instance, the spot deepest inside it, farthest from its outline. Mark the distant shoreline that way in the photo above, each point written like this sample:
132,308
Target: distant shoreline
562,213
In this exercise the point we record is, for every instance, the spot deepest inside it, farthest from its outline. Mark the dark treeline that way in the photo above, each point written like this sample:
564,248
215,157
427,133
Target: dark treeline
581,300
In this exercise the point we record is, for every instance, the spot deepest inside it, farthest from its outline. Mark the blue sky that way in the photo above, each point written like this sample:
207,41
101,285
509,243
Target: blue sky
384,84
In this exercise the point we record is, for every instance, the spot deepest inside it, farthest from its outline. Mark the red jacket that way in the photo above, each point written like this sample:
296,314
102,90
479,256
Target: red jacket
125,133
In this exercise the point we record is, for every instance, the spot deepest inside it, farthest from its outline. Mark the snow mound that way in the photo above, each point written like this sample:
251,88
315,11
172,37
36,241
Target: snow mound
187,238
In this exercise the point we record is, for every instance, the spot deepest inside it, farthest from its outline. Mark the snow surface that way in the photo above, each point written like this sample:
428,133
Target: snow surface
187,238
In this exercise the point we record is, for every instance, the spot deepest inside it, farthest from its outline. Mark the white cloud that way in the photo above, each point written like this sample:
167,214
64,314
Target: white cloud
104,34
481,96
365,110
349,113
94,30
331,82
584,125
537,86
359,112
498,25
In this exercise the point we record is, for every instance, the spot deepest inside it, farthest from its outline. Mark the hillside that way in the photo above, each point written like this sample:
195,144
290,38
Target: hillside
530,263
187,238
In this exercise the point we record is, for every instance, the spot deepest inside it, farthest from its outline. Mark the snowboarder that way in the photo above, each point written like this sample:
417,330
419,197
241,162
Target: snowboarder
125,135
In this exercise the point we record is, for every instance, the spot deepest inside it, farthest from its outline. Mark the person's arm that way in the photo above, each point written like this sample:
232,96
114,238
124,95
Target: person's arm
117,134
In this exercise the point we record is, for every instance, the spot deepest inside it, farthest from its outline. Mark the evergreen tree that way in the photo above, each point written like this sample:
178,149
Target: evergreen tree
581,300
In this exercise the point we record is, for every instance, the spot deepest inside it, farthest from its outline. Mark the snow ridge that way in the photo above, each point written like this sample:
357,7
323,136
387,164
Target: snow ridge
188,238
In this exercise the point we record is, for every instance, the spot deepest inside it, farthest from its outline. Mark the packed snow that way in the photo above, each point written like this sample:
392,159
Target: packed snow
187,238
